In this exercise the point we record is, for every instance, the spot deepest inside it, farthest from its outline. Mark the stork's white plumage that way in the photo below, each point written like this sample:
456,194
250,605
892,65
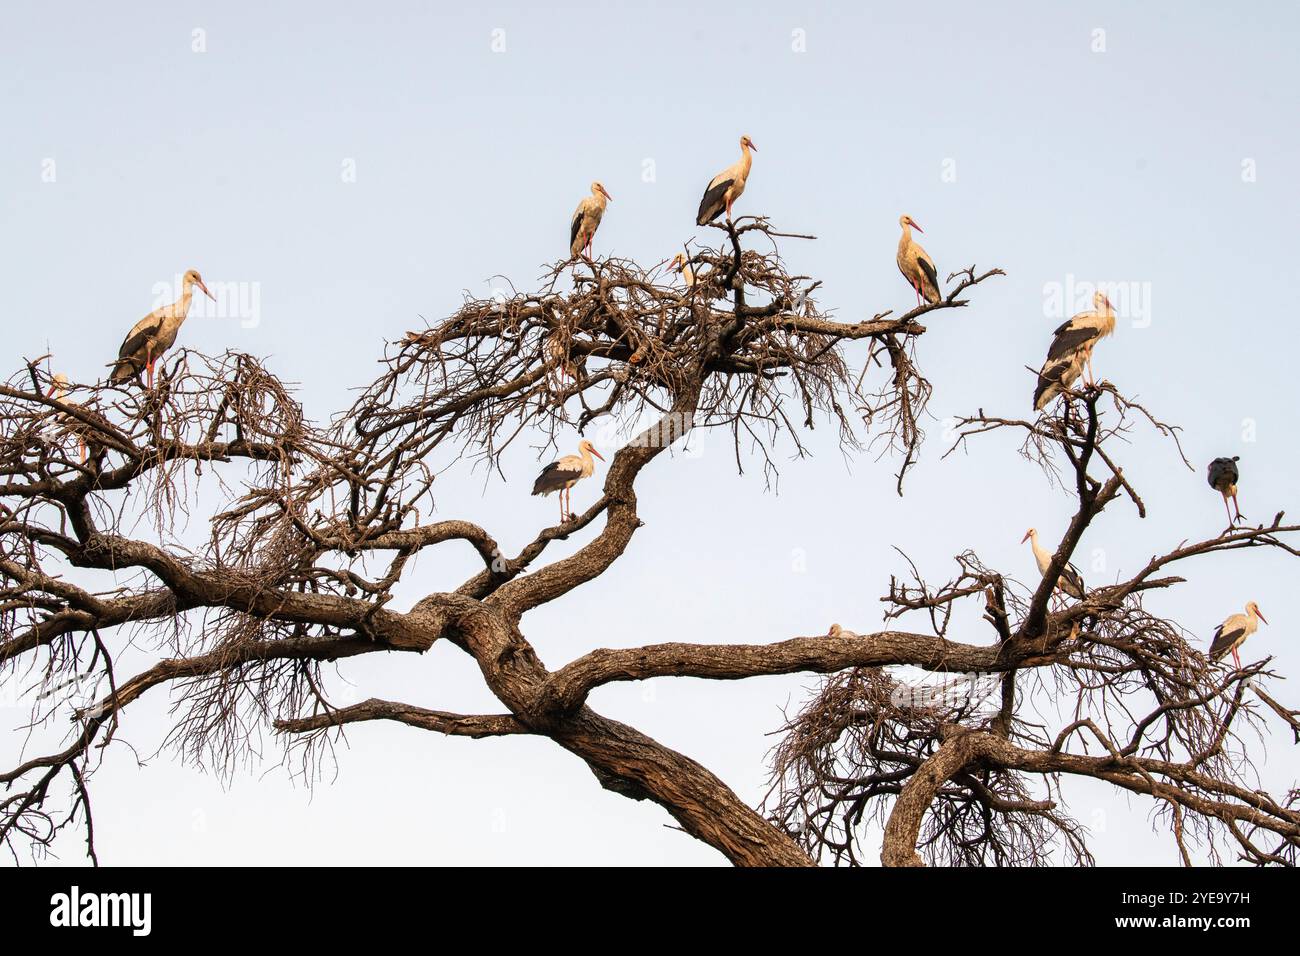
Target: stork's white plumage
586,219
1070,581
916,265
155,333
1232,633
681,264
59,387
1071,350
726,187
561,475
559,355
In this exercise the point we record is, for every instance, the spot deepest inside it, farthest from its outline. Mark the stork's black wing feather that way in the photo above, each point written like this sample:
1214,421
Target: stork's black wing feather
1052,373
1043,385
574,227
931,274
1222,473
713,203
543,482
1073,579
1068,339
554,477
1223,641
134,343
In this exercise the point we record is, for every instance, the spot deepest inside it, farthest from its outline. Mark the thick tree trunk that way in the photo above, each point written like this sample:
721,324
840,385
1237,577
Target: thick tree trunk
904,825
628,762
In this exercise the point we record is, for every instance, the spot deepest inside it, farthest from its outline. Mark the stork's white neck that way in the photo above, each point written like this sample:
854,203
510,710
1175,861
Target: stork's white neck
187,294
1041,556
180,309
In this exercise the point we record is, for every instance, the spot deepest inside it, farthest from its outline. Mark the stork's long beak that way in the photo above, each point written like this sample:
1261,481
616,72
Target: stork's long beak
598,454
752,146
1025,538
917,226
606,192
50,393
199,283
1260,614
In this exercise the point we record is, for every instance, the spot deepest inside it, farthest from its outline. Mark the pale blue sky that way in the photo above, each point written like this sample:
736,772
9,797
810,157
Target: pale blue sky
1119,166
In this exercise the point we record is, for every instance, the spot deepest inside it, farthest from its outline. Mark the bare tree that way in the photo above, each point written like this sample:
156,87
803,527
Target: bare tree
316,526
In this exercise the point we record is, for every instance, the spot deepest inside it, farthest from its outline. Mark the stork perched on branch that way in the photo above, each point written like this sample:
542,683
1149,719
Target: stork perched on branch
586,219
558,357
726,187
1070,581
1071,350
1223,476
683,265
59,387
561,475
1232,633
916,265
155,333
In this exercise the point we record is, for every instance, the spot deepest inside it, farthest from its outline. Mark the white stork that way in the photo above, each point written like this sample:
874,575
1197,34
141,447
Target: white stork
1070,581
562,474
916,265
726,187
557,353
1232,633
683,265
59,387
1071,350
155,333
586,219
1223,476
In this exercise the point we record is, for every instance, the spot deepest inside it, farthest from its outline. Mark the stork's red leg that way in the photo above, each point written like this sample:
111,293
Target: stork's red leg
1236,658
1235,505
1228,511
